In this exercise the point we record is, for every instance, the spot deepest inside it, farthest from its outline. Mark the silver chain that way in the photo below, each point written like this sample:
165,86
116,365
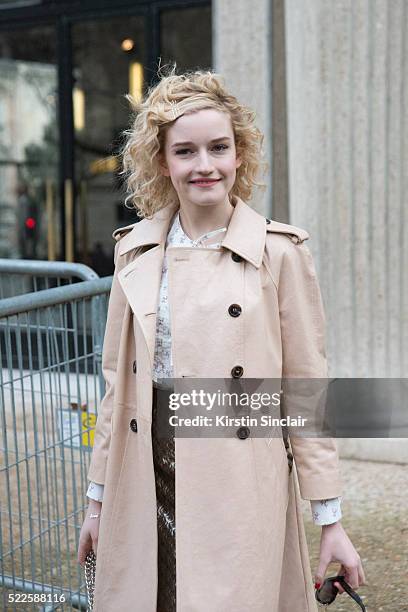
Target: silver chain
90,566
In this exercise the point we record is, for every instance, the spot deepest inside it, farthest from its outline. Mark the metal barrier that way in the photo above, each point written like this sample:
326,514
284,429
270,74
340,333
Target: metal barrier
50,387
19,276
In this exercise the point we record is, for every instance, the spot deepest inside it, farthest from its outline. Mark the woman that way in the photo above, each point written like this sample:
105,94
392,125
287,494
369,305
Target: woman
205,287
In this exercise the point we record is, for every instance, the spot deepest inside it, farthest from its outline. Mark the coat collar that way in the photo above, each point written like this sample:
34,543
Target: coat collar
245,235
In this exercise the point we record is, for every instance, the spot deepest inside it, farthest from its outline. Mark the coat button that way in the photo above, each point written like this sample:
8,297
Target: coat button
237,371
133,425
235,310
236,257
134,367
243,433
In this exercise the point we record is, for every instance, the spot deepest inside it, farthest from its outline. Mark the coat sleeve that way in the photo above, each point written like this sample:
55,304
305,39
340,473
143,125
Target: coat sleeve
303,356
114,322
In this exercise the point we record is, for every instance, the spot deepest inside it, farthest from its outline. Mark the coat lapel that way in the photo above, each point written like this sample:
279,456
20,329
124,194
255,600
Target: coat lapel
140,281
140,278
246,233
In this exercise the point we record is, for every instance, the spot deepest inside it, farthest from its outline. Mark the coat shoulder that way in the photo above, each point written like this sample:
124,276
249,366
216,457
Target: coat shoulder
296,234
122,231
285,243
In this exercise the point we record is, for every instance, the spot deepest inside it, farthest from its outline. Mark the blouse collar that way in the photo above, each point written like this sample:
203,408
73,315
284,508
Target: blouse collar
178,236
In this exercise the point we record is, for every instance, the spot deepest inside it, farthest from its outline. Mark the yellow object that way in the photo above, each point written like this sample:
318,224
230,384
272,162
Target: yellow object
78,102
107,164
127,44
136,81
88,428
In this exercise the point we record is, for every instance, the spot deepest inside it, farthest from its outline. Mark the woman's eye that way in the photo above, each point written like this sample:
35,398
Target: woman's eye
218,148
221,147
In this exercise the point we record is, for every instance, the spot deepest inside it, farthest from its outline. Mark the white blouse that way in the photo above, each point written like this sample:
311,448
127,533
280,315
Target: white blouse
324,512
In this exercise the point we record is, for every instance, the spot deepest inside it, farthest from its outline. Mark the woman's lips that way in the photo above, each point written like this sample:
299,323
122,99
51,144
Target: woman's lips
205,183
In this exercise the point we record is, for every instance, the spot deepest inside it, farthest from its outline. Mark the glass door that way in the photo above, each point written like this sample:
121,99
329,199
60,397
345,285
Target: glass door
109,58
29,144
63,113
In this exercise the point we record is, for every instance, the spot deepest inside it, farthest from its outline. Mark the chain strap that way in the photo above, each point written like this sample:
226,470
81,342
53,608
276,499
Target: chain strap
90,566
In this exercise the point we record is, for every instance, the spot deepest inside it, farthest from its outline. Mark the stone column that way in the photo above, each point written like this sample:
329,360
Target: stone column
347,93
241,46
347,99
329,81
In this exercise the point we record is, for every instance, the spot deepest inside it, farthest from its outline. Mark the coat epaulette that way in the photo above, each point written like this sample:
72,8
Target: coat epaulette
296,234
122,231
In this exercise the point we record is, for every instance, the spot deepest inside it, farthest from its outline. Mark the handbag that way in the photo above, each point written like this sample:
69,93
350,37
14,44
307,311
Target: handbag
90,567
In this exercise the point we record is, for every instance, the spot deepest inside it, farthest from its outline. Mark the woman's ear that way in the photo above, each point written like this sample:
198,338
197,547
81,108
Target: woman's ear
164,170
238,161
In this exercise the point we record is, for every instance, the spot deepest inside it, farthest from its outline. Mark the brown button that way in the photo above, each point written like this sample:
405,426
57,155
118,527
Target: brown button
133,425
243,433
235,310
237,371
134,367
236,257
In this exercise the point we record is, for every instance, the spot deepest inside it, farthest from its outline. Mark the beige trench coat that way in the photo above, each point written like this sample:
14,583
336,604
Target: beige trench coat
240,541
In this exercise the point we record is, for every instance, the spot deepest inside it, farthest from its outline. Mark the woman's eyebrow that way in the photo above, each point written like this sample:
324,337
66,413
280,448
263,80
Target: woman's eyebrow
179,144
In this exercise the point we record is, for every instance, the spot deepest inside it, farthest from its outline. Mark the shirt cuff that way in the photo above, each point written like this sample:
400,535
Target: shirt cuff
326,511
95,491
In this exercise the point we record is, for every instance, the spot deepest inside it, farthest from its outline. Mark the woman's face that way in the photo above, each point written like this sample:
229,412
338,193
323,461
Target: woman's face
200,157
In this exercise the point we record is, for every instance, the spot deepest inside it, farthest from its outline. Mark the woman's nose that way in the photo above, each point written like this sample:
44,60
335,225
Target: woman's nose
204,163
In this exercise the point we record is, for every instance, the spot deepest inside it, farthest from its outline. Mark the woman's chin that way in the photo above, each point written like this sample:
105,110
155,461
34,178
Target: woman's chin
208,198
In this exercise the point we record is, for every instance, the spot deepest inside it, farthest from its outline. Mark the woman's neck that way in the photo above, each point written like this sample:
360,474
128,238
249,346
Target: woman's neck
198,220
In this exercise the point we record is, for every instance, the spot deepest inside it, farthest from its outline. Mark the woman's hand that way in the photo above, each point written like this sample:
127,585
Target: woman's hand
335,545
88,538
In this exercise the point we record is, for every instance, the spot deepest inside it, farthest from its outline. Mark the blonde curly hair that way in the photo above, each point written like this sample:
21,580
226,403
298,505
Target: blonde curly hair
175,95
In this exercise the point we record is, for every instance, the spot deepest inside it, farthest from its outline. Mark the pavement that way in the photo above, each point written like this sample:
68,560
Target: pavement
375,517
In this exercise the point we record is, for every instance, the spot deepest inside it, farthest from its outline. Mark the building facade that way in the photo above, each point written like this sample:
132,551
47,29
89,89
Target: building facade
65,68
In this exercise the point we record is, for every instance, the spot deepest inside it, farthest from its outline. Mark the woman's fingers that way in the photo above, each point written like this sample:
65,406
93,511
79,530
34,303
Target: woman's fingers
352,577
341,572
361,575
353,574
83,549
321,570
